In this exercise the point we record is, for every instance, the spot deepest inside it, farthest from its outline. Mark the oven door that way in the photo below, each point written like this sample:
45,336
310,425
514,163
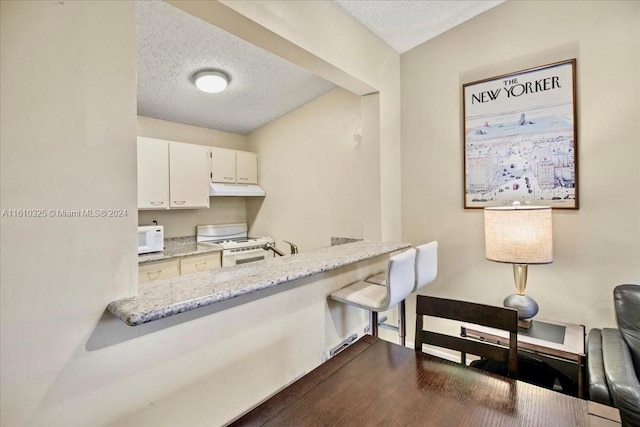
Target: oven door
239,256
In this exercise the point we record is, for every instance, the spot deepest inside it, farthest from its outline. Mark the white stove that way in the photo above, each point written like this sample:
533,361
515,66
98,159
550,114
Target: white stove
243,244
237,247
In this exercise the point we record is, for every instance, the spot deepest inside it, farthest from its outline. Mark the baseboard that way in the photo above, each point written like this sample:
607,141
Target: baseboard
354,337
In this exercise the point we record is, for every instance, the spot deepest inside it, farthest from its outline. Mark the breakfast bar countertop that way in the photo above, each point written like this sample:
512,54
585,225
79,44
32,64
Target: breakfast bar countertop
166,297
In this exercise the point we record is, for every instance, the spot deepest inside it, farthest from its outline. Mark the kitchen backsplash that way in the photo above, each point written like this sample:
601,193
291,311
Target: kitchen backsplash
182,222
342,240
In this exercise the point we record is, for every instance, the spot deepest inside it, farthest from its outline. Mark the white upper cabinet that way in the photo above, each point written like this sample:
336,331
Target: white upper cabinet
175,175
188,175
233,166
153,173
223,165
172,174
246,167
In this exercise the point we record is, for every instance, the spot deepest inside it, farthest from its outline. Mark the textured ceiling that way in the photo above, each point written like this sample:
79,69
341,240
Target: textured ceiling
171,45
404,25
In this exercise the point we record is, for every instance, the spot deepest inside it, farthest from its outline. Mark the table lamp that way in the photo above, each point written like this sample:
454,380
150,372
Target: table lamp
520,235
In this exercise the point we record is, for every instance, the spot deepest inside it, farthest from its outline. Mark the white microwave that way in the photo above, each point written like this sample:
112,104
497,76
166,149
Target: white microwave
150,239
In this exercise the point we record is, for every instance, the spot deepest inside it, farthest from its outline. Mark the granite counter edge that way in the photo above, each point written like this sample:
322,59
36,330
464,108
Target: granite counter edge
135,318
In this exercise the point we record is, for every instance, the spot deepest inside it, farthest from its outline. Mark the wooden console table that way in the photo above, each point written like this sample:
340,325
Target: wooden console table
549,338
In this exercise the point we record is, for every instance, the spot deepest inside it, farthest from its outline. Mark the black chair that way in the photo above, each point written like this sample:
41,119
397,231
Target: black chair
468,312
613,358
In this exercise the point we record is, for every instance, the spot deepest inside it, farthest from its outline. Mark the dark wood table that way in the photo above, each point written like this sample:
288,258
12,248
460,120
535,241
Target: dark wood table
374,382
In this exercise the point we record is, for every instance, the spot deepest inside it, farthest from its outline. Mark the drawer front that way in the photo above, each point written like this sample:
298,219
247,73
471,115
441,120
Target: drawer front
197,263
158,270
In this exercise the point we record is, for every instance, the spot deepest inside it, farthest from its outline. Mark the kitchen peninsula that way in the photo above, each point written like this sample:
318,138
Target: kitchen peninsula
163,298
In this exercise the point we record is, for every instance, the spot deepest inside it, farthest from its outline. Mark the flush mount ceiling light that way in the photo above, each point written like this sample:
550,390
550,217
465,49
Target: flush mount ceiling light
210,81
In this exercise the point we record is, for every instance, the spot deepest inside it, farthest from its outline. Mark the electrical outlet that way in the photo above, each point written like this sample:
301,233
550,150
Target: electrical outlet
154,221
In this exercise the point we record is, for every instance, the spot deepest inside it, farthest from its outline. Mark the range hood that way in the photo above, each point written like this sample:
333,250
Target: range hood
220,189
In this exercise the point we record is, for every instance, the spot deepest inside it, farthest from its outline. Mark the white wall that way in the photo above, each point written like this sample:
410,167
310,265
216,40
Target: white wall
310,167
68,132
595,247
222,210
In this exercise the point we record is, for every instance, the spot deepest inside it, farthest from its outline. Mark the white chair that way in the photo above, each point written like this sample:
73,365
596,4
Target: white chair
426,264
426,267
399,282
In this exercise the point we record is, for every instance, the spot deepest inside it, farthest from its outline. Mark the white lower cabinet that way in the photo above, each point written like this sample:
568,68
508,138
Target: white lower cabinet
198,263
155,270
151,271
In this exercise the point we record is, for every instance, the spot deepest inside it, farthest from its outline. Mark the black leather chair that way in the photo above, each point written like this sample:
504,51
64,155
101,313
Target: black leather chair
613,358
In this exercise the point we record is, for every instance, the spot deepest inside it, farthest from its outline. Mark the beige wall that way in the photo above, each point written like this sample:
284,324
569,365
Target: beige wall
68,132
310,167
69,142
347,55
172,131
595,247
207,367
68,129
222,210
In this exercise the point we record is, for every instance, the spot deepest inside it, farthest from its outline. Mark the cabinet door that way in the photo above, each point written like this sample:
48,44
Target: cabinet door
246,167
197,263
157,270
223,165
153,173
188,175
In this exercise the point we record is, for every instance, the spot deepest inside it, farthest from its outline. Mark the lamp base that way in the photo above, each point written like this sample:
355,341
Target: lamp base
527,308
525,324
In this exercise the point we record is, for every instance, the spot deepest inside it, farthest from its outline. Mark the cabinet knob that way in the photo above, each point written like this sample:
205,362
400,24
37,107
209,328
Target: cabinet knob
228,178
157,203
243,179
179,202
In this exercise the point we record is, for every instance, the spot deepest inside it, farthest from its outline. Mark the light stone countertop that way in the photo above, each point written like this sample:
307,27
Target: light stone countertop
163,298
177,247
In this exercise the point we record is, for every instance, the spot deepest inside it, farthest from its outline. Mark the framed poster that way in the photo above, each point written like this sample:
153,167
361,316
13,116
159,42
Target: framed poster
520,141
